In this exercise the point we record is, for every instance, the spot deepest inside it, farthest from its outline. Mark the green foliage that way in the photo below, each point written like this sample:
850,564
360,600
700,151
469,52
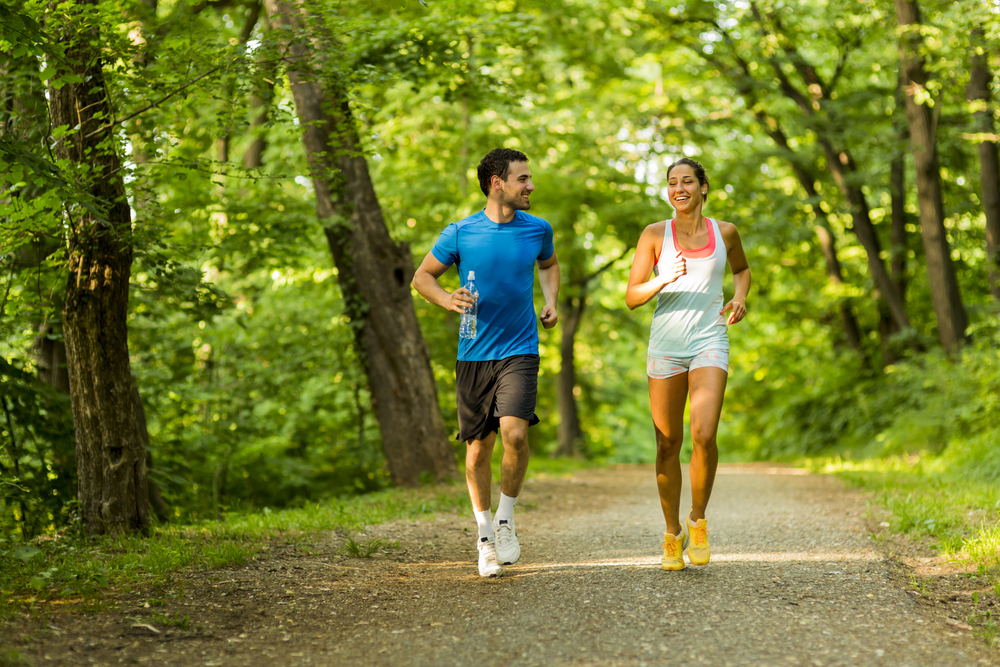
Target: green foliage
365,549
253,394
37,463
927,403
928,497
13,658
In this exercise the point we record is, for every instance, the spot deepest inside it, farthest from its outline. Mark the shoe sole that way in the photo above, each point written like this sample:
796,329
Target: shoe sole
511,562
672,568
699,563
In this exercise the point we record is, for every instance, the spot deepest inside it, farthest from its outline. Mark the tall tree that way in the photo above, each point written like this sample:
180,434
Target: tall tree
945,293
572,306
839,158
374,272
109,441
980,96
806,176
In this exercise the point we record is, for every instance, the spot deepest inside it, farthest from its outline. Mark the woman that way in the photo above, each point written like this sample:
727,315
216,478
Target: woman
688,346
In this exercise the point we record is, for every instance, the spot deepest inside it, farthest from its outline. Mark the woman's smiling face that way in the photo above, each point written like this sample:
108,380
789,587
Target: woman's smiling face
684,190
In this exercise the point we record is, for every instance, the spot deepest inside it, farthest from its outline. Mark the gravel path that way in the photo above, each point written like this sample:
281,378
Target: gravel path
794,580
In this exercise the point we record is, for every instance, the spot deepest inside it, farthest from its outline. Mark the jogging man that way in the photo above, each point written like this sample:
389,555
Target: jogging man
496,376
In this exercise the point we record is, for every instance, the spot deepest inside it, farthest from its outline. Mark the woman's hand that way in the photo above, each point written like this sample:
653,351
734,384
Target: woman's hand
739,311
677,269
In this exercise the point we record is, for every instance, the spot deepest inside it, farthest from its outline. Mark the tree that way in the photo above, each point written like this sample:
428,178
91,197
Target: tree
980,97
839,159
109,446
945,294
373,271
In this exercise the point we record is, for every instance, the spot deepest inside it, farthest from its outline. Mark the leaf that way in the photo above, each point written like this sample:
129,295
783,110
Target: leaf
145,626
26,553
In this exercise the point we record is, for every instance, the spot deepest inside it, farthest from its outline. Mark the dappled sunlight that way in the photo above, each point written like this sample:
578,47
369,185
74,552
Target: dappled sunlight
653,561
759,470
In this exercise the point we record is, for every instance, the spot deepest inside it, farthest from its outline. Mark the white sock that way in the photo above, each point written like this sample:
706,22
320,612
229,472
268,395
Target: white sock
484,522
505,510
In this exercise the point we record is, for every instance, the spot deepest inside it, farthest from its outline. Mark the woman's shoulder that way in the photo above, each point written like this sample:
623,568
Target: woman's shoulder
727,229
654,231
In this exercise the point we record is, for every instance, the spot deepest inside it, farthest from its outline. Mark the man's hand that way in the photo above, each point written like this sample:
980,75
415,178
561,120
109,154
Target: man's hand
549,316
460,300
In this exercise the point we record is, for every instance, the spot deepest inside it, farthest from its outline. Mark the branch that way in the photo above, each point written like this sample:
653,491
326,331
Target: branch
172,93
849,45
583,281
806,71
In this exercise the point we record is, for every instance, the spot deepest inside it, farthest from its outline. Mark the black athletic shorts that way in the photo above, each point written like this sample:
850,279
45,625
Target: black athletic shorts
489,390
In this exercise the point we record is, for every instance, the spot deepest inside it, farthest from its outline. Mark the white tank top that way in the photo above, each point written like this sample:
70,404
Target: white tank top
687,319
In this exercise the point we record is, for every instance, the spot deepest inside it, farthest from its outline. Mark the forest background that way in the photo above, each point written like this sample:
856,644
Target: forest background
211,211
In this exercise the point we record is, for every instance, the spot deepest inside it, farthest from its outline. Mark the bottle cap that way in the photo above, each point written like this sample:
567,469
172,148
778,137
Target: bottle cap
472,275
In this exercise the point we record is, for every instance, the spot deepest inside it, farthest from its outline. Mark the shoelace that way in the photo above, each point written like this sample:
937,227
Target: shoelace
699,535
670,546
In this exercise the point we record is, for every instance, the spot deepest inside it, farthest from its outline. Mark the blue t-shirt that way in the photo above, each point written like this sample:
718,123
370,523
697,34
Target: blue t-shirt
503,257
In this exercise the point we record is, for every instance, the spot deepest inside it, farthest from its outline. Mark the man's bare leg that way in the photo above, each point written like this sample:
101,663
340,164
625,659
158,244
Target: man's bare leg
478,471
514,434
478,475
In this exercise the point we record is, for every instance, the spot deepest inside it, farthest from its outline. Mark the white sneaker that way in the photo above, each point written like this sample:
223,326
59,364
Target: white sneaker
508,548
488,565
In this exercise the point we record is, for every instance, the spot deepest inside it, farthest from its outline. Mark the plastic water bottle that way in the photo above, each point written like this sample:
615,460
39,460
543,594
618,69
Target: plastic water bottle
467,329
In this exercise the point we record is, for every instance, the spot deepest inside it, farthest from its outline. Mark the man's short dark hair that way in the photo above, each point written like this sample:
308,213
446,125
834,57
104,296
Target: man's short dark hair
497,163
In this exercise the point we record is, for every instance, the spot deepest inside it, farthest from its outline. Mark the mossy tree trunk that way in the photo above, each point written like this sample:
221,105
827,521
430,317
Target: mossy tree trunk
111,460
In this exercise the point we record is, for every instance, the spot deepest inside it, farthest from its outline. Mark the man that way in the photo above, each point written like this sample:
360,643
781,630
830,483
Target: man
496,376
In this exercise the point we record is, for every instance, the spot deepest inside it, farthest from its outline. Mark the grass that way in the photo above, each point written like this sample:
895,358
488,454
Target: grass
72,568
959,516
69,568
366,549
12,658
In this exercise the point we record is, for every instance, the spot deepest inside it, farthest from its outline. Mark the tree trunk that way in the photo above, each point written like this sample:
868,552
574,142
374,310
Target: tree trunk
844,174
110,456
374,272
156,502
898,237
570,432
260,106
824,231
989,171
839,162
50,355
945,295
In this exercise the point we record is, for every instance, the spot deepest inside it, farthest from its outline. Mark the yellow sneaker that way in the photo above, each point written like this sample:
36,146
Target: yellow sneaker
673,552
698,550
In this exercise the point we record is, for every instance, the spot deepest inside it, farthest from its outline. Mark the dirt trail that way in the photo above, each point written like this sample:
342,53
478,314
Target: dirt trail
794,580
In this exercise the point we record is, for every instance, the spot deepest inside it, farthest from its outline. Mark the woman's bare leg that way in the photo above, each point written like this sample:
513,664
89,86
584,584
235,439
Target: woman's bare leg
666,401
707,386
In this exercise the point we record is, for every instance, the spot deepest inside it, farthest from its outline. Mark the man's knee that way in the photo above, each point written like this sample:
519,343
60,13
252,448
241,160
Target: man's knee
515,438
478,453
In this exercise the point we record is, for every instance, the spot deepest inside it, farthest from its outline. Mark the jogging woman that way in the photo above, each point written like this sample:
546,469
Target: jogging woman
688,347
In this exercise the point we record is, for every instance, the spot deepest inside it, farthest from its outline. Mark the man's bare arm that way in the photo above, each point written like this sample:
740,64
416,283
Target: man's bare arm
548,278
425,281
